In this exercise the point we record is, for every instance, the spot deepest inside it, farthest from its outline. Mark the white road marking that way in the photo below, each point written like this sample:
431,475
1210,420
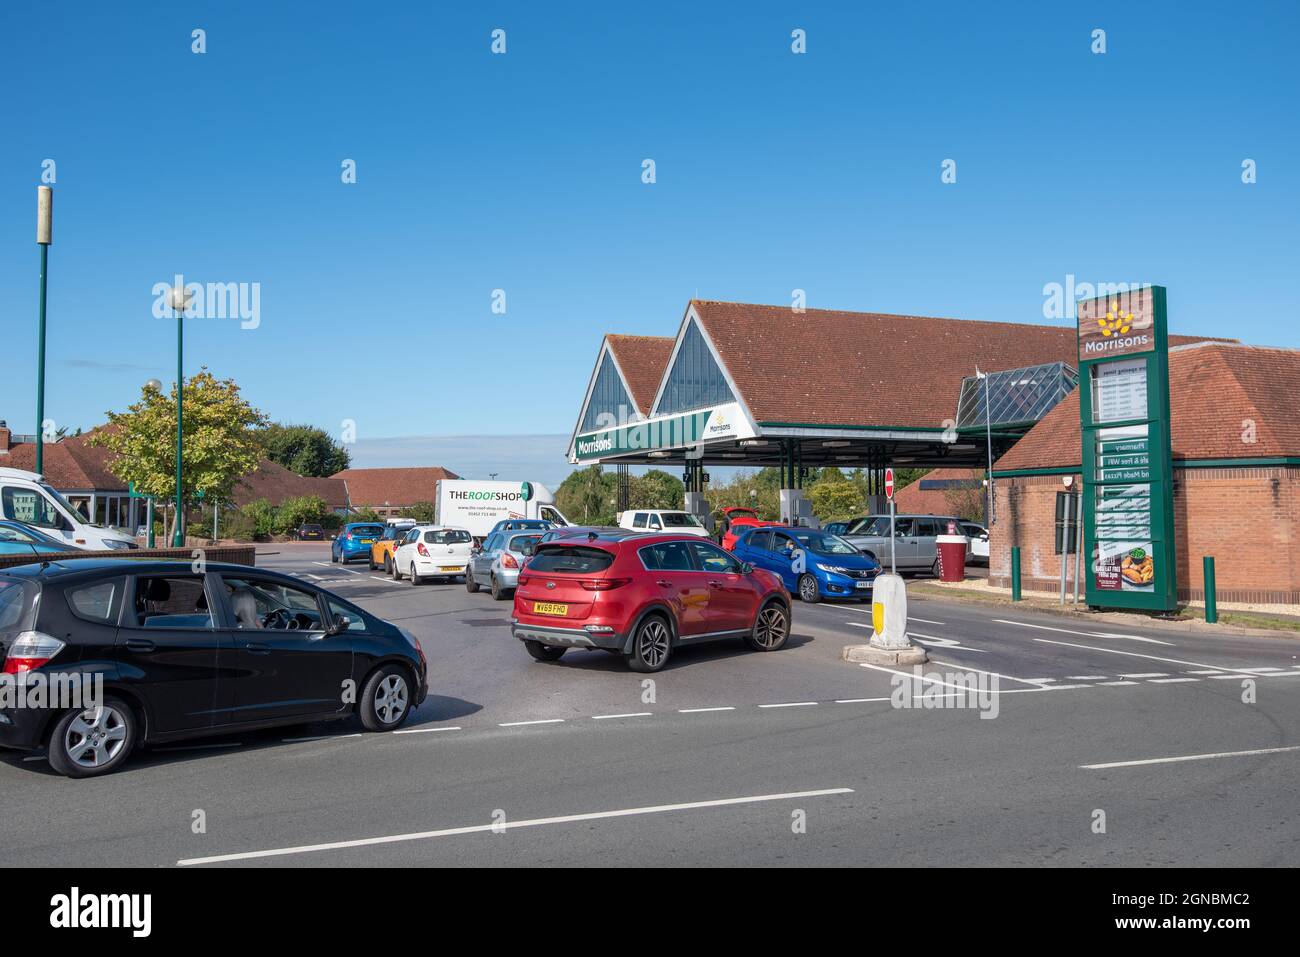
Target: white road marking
858,700
1086,677
1112,684
942,642
1152,674
1170,681
320,737
520,724
386,581
511,825
703,710
1024,681
37,757
1134,654
1207,671
1220,677
945,684
1262,668
1188,757
631,714
790,704
1086,634
426,730
925,621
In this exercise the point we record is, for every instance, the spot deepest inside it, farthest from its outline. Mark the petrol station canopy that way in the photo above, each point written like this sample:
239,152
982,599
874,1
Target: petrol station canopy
754,385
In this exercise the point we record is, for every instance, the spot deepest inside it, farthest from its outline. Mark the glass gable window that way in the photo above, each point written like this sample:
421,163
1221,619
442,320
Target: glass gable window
1016,396
695,381
608,400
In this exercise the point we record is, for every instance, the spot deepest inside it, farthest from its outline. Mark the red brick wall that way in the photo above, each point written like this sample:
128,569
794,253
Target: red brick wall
1247,518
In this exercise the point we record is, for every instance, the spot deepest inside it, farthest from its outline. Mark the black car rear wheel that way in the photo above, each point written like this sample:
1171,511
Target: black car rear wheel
470,584
498,593
87,743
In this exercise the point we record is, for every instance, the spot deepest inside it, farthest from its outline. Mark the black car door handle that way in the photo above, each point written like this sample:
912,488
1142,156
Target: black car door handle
140,645
257,648
664,584
715,584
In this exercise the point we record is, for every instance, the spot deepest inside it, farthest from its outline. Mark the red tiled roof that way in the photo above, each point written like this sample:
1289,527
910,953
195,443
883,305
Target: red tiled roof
275,483
643,360
826,367
1215,391
917,499
72,464
370,488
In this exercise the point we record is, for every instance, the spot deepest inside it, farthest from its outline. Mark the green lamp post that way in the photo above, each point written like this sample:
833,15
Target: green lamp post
180,301
44,237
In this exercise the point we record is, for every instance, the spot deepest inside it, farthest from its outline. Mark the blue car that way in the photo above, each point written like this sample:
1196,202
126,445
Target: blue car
521,525
19,539
812,563
354,541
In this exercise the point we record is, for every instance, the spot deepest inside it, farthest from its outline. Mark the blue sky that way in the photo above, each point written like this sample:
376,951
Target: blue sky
522,172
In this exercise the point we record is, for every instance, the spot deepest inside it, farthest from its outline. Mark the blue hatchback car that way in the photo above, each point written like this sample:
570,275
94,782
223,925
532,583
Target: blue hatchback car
812,563
354,541
19,539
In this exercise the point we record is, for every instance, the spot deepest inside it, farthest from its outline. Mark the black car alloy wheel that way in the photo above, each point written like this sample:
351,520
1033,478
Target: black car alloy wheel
652,645
772,628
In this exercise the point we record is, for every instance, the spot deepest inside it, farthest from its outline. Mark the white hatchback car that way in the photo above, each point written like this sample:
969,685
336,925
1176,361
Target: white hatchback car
662,520
432,551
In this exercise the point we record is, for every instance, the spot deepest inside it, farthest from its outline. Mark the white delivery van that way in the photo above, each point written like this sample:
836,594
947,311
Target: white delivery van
478,506
662,520
26,497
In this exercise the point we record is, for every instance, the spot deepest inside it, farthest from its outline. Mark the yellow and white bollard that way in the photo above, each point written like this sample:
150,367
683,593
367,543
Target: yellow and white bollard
889,643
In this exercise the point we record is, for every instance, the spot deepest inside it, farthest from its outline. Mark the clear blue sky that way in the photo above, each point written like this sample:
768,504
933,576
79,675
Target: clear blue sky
523,172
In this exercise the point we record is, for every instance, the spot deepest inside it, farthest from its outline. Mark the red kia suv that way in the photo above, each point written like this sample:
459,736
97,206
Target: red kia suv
641,596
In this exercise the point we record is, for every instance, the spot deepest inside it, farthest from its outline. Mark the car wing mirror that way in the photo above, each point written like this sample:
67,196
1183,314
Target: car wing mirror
746,568
341,624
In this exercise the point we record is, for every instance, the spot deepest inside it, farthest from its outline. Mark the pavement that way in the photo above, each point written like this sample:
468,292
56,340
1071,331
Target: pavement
1031,739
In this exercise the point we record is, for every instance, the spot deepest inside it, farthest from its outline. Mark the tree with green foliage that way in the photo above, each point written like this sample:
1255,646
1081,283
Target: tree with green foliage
304,449
294,513
588,496
219,448
657,489
422,512
835,500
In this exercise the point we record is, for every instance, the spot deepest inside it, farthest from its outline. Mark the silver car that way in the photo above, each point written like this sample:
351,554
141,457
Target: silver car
915,545
496,563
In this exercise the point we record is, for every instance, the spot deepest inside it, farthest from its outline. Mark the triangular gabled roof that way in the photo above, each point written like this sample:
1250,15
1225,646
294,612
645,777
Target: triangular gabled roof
642,361
1220,395
828,367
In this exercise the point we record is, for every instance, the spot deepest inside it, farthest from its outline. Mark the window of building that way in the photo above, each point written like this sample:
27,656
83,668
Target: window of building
609,404
695,381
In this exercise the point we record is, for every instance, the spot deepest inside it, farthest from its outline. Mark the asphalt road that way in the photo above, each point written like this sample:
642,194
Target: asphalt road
728,756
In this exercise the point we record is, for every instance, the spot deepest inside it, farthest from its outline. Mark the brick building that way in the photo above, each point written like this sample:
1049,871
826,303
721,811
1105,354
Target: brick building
957,492
1235,421
388,491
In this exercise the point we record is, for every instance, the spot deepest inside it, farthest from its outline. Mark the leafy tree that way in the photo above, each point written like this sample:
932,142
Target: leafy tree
304,449
588,496
295,512
657,489
758,490
836,499
220,443
422,512
256,519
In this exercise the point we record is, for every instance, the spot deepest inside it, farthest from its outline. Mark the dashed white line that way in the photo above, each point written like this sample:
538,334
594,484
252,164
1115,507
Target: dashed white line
859,700
1131,654
703,710
790,704
1148,674
1086,677
520,724
320,737
511,825
1113,684
426,730
1171,681
1188,757
630,714
1026,681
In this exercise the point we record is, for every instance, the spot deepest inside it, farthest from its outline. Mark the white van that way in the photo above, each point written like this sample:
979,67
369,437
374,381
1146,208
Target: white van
26,497
662,520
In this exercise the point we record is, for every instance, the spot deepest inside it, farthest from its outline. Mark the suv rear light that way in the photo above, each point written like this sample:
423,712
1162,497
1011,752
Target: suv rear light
603,584
508,561
422,550
29,651
523,579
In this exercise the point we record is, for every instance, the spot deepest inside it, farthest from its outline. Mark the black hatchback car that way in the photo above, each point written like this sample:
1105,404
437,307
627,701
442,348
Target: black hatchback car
160,651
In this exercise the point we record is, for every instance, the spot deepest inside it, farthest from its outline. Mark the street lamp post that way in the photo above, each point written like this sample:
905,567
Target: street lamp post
988,432
44,237
180,302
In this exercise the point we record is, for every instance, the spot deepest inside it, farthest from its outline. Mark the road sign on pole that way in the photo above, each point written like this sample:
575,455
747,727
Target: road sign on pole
889,494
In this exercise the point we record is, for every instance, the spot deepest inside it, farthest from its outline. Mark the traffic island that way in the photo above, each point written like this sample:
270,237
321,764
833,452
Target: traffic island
889,643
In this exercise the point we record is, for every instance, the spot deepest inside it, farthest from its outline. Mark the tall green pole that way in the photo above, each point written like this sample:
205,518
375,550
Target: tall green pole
178,540
44,236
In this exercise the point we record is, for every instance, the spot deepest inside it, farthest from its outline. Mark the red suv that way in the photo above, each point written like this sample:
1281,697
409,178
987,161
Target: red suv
641,596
